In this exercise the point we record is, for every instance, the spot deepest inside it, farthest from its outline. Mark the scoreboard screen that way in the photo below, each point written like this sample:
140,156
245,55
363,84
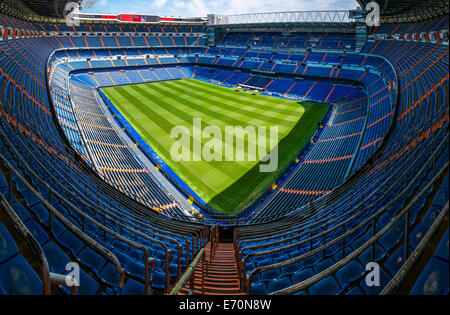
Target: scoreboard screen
139,18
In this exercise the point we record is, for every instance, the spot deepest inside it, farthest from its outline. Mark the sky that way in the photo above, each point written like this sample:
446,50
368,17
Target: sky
203,7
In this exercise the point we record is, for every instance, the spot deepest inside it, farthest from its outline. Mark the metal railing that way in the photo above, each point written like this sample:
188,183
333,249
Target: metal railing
201,260
188,276
86,218
367,222
371,243
53,213
108,213
414,257
36,249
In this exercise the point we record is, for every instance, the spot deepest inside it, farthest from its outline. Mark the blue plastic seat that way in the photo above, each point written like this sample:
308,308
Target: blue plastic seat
135,269
323,265
158,280
270,275
258,288
393,235
366,256
327,286
57,228
8,247
18,278
61,209
395,261
349,273
310,261
441,197
123,259
183,262
133,287
416,208
443,248
30,199
249,266
302,276
136,254
390,213
39,234
41,213
434,279
92,260
417,235
279,284
71,242
56,258
20,210
110,275
291,269
173,270
359,241
263,263
120,245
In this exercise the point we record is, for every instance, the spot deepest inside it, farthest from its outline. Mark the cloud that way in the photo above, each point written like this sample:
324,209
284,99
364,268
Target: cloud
160,3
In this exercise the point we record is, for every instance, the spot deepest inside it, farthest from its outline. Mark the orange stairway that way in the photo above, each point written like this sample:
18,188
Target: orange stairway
218,276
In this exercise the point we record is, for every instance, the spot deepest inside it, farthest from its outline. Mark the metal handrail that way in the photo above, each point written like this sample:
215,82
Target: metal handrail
36,249
201,256
214,240
48,278
53,212
116,219
308,283
414,257
117,216
187,276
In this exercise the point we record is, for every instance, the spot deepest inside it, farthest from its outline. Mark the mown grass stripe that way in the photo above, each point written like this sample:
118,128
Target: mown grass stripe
263,104
188,119
122,96
264,109
229,108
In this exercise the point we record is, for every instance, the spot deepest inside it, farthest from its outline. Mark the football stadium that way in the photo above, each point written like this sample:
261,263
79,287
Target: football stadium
252,154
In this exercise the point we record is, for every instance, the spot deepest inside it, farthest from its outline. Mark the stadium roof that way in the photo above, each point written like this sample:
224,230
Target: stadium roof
48,8
37,10
409,10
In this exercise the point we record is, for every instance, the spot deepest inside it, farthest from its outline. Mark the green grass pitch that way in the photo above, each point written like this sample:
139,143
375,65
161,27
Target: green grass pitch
153,109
